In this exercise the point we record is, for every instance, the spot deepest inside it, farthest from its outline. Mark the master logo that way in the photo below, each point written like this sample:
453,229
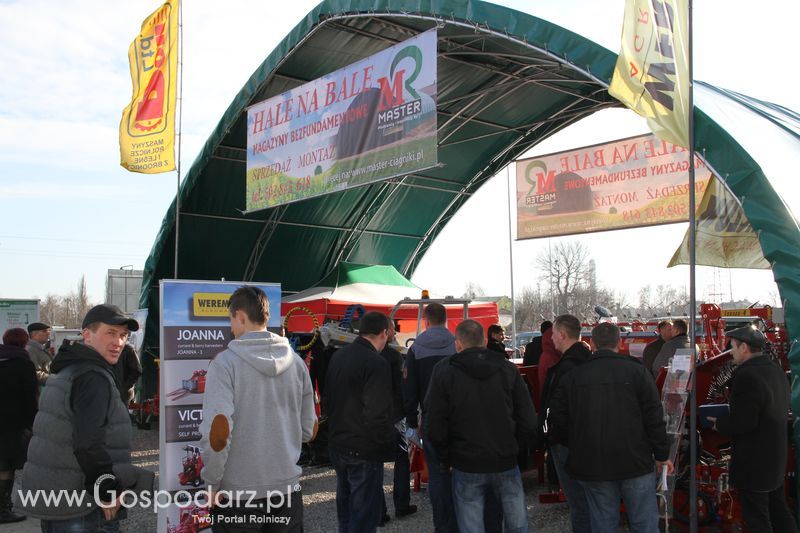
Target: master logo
210,304
549,192
392,94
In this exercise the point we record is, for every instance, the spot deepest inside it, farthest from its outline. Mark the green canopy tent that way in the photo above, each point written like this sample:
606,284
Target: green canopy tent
506,81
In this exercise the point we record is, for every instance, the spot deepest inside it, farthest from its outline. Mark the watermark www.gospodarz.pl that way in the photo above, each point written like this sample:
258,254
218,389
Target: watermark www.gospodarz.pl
162,499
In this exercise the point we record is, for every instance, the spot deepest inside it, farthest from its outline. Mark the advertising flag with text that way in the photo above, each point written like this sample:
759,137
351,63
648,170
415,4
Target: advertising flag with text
652,72
147,129
724,237
640,181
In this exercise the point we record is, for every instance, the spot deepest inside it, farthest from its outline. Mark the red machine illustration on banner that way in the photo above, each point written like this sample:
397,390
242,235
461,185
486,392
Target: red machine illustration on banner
194,385
193,519
192,467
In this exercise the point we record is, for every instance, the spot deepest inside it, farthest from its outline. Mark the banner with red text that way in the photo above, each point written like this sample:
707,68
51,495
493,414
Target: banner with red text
147,129
372,120
639,181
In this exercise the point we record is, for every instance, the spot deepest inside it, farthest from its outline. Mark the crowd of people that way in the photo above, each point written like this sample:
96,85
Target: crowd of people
600,421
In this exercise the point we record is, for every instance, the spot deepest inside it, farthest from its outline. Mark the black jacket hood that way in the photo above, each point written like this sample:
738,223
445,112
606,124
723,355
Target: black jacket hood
77,353
13,352
479,363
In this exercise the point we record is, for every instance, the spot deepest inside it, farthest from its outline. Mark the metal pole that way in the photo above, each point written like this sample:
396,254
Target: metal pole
692,301
180,136
511,263
550,278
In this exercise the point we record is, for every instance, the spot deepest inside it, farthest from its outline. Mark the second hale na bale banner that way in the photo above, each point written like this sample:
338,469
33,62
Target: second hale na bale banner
640,181
372,120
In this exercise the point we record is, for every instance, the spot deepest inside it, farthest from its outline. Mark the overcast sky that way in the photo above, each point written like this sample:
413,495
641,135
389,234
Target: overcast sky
69,209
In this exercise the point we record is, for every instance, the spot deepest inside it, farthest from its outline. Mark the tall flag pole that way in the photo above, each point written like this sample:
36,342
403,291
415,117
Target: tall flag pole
692,286
180,136
654,77
511,262
147,128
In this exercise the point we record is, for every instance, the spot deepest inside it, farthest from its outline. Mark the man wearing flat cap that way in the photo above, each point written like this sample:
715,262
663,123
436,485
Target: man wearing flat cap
757,425
82,432
39,334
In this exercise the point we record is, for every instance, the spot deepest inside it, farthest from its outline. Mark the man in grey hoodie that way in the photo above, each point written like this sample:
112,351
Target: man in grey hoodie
258,409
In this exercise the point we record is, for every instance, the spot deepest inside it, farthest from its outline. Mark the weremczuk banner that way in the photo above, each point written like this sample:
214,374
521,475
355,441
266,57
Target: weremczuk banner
640,181
372,120
651,76
723,236
195,327
147,129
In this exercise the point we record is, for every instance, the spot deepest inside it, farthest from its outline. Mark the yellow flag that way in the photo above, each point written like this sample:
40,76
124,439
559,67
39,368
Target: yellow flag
652,72
724,237
147,129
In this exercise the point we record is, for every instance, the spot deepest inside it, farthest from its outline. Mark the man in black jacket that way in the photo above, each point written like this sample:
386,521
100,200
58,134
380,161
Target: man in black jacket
478,413
757,424
401,491
533,350
567,340
127,372
650,353
82,432
609,411
495,342
358,400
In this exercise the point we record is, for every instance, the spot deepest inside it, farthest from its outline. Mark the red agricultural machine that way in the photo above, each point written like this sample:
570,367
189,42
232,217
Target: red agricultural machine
717,505
192,467
194,385
192,519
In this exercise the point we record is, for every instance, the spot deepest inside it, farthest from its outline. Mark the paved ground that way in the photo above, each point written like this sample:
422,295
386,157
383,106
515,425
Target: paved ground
319,489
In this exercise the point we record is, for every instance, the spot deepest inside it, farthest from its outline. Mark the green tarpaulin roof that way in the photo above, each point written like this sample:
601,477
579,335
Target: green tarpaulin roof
349,273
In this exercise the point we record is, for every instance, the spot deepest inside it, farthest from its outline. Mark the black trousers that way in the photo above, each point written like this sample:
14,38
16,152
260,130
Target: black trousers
273,515
765,512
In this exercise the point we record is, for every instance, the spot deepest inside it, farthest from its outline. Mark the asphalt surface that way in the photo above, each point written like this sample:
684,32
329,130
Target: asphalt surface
319,501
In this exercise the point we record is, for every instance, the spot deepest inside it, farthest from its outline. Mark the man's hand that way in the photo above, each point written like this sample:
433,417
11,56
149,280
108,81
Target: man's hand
661,464
713,421
112,508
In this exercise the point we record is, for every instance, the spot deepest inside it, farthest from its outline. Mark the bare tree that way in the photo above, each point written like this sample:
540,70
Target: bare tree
49,309
67,310
531,307
473,289
565,268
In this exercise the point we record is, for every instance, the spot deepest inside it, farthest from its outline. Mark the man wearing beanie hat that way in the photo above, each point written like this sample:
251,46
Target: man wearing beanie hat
39,334
757,425
82,432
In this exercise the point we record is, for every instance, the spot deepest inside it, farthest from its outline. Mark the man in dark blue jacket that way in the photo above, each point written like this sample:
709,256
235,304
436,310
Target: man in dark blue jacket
757,424
433,345
608,412
358,400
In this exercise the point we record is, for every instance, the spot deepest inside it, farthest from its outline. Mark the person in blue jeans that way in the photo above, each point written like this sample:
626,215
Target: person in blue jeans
609,413
478,412
433,345
358,402
358,504
566,335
